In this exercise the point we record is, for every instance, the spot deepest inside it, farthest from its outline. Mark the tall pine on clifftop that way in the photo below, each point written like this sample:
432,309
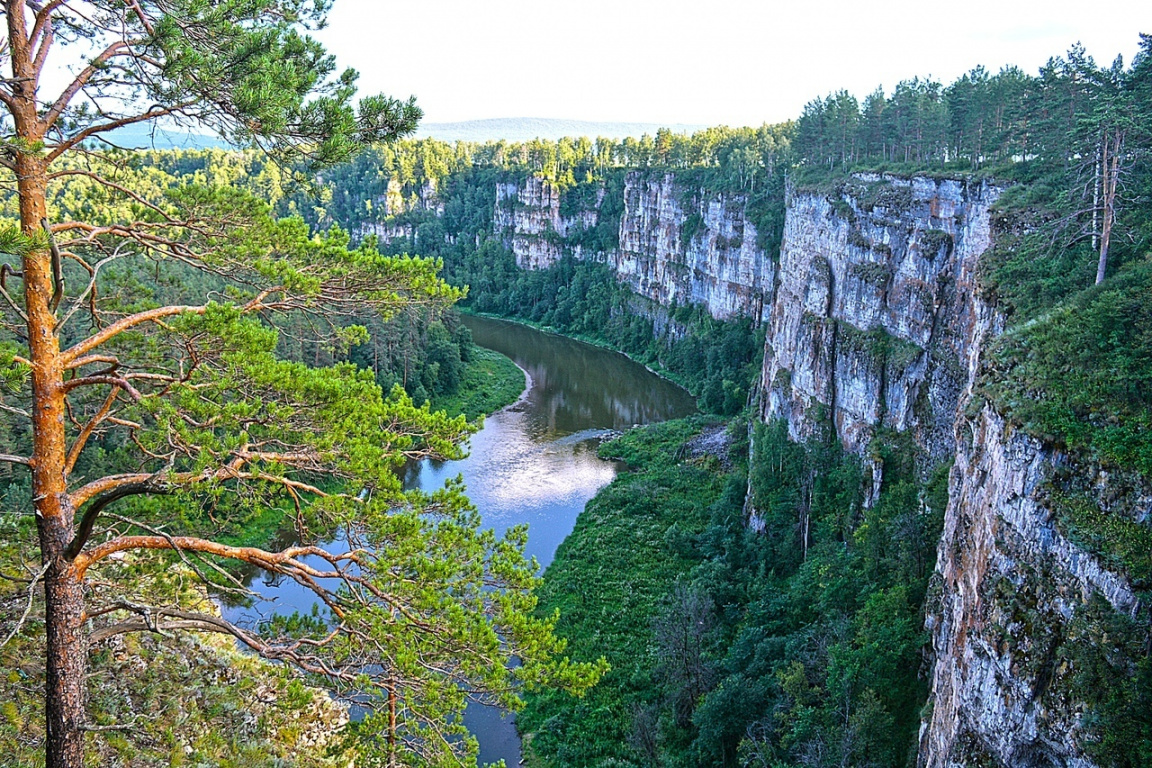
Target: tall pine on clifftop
423,610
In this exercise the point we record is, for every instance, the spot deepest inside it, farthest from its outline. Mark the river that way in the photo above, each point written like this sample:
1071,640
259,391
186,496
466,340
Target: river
534,462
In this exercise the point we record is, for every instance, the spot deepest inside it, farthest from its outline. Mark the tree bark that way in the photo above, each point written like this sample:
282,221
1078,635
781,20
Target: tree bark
392,725
66,669
66,652
1110,166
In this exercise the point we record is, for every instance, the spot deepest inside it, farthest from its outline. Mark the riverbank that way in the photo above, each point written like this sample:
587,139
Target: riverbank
611,582
490,382
592,341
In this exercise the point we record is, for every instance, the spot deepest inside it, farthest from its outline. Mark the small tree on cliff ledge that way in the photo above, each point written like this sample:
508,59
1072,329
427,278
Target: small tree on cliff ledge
423,610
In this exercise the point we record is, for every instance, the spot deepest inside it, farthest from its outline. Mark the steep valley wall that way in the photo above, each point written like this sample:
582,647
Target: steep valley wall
676,243
878,323
875,324
1016,597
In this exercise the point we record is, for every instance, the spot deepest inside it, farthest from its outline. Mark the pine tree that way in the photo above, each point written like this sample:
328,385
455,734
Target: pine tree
422,609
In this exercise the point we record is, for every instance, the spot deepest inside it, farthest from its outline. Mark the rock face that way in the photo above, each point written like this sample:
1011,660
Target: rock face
528,215
876,322
426,198
872,321
394,203
676,244
681,246
1010,584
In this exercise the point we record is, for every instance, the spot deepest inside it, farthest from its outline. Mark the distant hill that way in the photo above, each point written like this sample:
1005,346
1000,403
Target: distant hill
506,128
157,137
527,128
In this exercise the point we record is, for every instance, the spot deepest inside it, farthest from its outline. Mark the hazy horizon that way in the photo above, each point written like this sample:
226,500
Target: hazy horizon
736,62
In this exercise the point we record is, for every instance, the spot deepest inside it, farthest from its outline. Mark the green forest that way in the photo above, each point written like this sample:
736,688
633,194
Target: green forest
734,607
768,648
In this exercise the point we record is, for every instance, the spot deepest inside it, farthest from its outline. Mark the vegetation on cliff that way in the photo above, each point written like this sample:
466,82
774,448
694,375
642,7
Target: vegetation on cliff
1073,144
797,638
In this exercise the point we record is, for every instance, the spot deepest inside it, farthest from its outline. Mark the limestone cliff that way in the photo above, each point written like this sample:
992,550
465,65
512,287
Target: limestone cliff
877,322
528,215
872,320
689,247
1015,599
676,242
394,203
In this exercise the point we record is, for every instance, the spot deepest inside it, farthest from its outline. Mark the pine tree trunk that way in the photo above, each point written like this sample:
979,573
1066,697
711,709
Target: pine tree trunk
66,652
66,649
66,668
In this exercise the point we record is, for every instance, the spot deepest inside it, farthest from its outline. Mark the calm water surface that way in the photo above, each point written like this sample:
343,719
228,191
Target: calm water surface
534,462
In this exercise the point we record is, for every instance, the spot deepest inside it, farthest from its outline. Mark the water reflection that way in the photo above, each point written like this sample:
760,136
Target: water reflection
577,386
514,476
534,462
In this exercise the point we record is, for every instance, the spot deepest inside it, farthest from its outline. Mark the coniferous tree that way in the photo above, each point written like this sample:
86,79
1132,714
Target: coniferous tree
423,609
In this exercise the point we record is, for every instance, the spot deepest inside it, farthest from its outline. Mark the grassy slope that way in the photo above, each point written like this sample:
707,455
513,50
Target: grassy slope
608,581
491,381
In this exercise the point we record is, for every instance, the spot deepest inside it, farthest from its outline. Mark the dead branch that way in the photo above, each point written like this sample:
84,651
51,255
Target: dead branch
27,608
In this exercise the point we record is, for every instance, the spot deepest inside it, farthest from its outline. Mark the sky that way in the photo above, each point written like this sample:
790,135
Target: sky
732,62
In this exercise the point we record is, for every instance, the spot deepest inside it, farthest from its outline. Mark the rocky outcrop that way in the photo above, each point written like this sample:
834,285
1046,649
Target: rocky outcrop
877,322
394,203
426,198
389,232
872,322
684,246
1009,584
528,216
677,244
